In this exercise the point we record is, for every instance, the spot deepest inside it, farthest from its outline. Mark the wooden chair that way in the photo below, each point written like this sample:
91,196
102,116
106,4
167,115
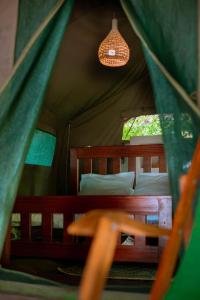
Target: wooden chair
106,226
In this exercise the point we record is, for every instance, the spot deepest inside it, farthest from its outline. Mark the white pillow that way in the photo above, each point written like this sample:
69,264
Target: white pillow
154,184
112,184
128,177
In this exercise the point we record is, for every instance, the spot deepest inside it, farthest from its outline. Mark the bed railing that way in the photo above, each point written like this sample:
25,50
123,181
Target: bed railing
47,241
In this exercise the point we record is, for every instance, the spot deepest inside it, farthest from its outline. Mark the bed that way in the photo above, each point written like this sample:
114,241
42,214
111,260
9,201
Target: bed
40,222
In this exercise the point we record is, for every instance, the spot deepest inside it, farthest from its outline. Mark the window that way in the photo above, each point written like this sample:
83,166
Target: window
42,149
142,126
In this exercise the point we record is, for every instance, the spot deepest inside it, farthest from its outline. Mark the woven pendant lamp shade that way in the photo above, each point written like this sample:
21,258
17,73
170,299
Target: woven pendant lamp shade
113,51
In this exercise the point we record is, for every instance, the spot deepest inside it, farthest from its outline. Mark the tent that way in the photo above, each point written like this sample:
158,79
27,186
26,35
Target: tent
57,85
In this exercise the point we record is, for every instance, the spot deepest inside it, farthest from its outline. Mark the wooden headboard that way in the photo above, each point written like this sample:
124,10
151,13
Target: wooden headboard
108,160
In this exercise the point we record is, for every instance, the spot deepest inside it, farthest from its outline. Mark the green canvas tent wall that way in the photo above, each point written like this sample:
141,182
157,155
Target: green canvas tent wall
81,92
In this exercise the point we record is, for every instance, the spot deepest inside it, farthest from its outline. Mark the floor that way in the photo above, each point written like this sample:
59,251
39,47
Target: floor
50,269
40,267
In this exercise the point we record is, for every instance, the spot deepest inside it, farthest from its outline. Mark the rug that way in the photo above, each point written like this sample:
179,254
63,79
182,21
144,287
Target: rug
118,272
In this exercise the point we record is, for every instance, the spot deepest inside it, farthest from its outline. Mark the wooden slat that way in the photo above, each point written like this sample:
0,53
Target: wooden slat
87,165
147,164
140,241
155,162
47,221
25,226
74,172
164,221
68,219
132,164
162,164
116,165
102,166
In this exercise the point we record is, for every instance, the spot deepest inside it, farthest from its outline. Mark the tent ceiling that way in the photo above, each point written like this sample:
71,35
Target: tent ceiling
79,82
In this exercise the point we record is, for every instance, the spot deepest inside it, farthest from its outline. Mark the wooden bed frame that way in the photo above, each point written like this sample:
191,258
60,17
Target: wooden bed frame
73,248
109,160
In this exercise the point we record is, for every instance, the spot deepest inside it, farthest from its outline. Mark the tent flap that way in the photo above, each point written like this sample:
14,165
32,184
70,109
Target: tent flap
165,32
21,102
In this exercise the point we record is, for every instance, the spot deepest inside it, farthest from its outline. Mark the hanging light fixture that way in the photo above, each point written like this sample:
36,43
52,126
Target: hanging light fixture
113,50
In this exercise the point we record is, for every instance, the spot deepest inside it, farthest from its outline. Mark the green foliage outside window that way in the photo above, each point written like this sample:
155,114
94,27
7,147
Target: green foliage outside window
141,126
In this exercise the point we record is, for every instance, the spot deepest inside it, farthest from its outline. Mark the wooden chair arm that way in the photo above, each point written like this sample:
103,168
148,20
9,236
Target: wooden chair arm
105,226
87,225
